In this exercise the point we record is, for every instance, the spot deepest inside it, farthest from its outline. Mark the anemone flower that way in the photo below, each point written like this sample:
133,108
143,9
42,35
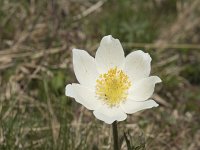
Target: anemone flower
112,85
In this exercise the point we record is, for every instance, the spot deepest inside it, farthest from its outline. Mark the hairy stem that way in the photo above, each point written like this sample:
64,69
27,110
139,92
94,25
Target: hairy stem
115,136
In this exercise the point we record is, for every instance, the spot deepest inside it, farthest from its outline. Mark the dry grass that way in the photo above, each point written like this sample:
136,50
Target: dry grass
36,38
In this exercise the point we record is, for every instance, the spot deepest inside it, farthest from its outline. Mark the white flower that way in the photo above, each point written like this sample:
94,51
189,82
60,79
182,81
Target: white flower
110,84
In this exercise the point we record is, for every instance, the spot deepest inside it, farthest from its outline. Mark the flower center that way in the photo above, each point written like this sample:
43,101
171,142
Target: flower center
112,87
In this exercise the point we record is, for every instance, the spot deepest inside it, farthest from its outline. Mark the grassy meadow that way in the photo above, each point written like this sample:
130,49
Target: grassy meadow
36,42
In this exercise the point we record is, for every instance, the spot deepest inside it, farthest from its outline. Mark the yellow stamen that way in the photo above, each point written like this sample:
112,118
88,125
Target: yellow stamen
112,87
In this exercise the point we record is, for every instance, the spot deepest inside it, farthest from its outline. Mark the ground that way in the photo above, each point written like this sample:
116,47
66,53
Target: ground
36,41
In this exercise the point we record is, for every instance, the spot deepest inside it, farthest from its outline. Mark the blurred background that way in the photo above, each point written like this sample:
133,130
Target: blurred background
36,41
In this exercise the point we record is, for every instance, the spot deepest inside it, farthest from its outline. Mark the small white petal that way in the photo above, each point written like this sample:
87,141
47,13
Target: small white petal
130,106
84,68
103,117
83,95
137,65
143,89
109,54
109,115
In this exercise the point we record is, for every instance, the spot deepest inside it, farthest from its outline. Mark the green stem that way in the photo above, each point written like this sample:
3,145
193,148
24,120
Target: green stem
115,136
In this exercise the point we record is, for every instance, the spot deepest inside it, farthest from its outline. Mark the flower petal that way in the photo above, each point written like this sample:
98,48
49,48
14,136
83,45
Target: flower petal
109,54
143,89
137,65
109,115
130,106
83,95
103,117
84,67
